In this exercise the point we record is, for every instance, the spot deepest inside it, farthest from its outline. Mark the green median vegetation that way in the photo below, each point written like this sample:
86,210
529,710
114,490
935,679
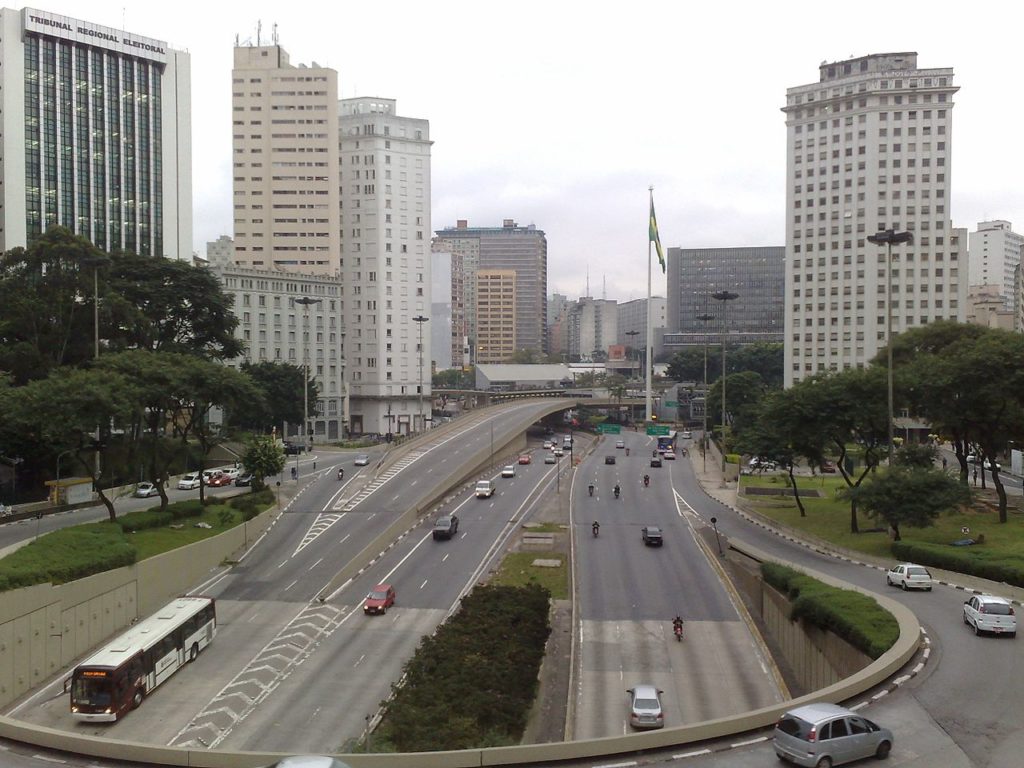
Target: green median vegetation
83,550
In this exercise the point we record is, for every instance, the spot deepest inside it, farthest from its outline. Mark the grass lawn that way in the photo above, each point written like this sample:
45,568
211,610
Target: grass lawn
828,518
156,541
517,570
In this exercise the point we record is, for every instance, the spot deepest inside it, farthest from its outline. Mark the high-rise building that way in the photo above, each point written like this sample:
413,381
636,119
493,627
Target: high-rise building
632,320
994,251
495,315
96,137
220,251
285,162
868,149
756,274
508,247
593,327
442,333
385,263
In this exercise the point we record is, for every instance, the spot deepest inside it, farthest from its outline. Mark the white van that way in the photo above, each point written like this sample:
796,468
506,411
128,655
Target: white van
484,489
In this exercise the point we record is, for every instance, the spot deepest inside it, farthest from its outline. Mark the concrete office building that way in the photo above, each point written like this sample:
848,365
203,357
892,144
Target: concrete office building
993,252
632,317
756,274
593,326
868,148
95,132
221,251
442,334
385,264
495,315
986,305
276,329
285,162
523,250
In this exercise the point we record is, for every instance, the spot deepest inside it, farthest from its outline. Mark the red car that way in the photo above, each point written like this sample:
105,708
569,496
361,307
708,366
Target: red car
380,599
218,480
524,459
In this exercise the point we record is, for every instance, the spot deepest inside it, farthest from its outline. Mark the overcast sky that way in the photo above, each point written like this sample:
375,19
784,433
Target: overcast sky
561,114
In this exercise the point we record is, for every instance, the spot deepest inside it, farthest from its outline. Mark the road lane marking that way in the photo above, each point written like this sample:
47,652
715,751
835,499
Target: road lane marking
291,585
424,583
314,565
444,558
283,564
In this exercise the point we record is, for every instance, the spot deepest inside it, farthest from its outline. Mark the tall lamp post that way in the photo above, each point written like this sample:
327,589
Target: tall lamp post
889,237
632,337
420,320
705,318
344,391
725,297
305,301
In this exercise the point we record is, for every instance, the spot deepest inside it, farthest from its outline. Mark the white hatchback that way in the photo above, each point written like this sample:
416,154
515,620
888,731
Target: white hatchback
909,576
188,482
987,613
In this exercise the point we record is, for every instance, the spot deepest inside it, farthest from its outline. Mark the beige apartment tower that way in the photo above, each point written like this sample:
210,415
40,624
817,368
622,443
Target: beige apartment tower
284,163
868,148
496,315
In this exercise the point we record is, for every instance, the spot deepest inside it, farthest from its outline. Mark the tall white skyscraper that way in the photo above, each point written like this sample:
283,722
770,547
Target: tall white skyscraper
95,135
994,253
868,149
385,264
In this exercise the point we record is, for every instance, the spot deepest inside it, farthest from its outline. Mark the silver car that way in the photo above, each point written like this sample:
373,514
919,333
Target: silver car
823,735
909,576
988,613
645,707
362,459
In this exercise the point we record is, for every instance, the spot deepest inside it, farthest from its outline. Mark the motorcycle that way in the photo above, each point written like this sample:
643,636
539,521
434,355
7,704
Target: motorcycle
595,528
617,491
590,489
341,474
647,480
678,630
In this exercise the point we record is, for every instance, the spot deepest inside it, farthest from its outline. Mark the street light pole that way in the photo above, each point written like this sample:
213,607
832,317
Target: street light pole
889,237
420,320
705,318
305,301
725,297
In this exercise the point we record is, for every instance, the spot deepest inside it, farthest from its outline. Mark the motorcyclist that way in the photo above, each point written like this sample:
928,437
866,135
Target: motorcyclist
647,480
590,489
596,527
618,490
341,473
677,625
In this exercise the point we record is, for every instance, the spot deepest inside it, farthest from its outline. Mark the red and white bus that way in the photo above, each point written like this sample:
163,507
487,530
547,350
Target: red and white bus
120,675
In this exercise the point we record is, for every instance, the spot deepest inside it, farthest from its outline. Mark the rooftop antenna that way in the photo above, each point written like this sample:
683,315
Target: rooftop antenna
588,281
604,287
274,36
259,30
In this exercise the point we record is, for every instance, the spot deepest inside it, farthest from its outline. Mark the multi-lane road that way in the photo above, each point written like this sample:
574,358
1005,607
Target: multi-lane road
291,673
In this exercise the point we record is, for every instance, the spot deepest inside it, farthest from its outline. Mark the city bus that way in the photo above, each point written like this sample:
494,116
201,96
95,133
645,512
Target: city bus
116,678
667,442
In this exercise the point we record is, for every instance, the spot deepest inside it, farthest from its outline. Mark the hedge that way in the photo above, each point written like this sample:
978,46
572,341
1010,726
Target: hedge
144,519
973,561
67,554
473,682
252,504
853,616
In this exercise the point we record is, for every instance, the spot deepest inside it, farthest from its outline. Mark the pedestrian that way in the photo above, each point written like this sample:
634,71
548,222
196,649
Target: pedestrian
943,463
975,475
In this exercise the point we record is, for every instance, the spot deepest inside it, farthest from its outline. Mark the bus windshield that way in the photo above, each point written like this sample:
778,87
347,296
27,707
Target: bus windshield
91,691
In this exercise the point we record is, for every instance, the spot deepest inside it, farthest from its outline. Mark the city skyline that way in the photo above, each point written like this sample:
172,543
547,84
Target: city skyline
543,139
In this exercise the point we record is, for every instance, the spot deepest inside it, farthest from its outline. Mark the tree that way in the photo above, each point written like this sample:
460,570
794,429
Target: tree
279,398
46,304
263,458
766,359
909,495
744,392
688,365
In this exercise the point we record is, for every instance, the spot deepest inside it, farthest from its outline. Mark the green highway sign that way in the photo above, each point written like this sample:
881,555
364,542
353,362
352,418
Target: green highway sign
657,429
609,429
671,404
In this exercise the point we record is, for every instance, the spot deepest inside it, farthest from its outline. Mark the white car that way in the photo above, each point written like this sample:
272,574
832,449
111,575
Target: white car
548,445
145,490
909,576
189,482
669,456
686,435
231,472
509,471
988,613
362,459
975,459
620,444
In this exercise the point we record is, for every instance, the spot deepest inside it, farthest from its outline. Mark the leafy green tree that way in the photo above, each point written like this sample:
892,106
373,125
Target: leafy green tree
766,359
688,364
279,397
920,455
61,412
744,392
46,304
264,458
911,496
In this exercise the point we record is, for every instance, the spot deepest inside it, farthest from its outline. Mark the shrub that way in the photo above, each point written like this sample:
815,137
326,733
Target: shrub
143,519
853,616
183,509
66,555
969,560
252,504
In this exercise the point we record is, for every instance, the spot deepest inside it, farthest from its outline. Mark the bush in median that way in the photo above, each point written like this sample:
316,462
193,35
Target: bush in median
66,555
969,560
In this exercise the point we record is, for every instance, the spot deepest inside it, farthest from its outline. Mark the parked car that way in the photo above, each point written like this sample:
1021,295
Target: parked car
656,461
292,449
189,482
645,707
909,576
651,535
232,472
446,526
484,489
817,735
828,467
244,480
218,480
509,470
525,459
145,490
609,459
761,464
550,459
988,613
620,444
380,599
362,459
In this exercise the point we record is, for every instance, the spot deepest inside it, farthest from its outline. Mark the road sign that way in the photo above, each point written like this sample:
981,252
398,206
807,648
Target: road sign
671,404
609,429
657,429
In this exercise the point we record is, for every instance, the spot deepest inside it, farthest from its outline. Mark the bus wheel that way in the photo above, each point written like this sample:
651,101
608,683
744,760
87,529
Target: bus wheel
193,652
137,698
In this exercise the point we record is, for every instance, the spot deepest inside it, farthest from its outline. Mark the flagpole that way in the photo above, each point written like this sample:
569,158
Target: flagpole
650,332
